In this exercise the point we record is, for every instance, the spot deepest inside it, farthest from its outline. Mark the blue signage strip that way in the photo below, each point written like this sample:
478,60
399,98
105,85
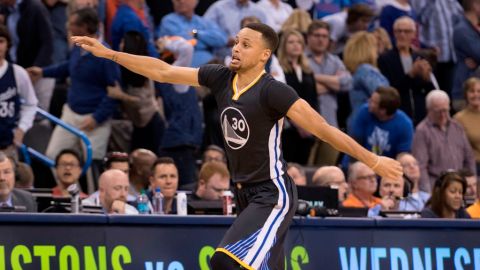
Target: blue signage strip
52,241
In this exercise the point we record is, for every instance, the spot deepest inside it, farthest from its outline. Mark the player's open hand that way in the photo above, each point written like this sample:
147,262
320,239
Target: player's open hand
388,168
92,45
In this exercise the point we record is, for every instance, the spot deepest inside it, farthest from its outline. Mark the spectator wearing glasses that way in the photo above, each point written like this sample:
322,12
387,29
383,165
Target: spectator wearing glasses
363,184
439,142
68,168
447,197
391,12
406,70
214,178
331,78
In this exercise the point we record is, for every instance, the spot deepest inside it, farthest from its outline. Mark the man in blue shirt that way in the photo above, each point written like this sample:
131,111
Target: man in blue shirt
17,100
127,19
88,107
185,23
381,127
466,36
228,13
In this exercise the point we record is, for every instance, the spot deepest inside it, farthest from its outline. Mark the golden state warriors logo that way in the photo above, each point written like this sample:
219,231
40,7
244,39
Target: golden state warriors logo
235,128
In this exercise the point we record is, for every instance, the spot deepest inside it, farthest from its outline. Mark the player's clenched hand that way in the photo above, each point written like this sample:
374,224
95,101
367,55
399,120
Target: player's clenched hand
92,45
388,168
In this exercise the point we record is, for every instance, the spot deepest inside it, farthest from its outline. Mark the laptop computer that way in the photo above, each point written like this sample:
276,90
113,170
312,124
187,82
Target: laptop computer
201,207
318,196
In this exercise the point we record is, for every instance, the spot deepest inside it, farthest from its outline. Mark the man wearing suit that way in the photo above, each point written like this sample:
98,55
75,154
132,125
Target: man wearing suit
407,71
10,196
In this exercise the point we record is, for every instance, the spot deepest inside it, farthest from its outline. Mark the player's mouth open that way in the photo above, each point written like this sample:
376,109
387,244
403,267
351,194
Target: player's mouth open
235,59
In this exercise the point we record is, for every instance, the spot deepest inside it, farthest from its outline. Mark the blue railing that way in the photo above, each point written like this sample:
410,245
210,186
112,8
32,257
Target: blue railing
27,151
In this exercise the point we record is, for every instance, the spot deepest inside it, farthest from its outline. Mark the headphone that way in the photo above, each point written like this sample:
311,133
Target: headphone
441,179
407,186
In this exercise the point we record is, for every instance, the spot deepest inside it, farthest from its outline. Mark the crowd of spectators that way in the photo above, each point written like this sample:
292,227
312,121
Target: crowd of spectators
401,77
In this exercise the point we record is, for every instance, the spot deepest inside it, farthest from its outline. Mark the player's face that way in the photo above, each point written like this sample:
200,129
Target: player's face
249,50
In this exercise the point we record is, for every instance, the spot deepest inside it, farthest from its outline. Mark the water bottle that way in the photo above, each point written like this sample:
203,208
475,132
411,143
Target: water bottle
142,203
181,204
157,201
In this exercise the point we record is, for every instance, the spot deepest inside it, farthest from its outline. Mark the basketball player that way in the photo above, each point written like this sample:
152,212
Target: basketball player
253,106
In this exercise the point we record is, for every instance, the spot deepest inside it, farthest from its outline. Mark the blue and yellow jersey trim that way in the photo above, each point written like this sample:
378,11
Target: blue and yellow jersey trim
236,93
242,263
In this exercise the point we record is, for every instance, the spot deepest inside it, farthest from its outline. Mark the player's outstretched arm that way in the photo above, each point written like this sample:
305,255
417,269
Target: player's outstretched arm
149,67
307,118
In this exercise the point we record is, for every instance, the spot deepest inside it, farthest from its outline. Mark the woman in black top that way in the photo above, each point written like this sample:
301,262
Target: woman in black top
297,142
447,197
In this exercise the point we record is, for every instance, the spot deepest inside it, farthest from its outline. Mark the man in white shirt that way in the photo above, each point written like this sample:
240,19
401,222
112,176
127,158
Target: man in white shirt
17,100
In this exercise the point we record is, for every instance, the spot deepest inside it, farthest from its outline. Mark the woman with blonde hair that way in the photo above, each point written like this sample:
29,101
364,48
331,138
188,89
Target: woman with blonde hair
383,40
469,117
360,58
296,142
299,20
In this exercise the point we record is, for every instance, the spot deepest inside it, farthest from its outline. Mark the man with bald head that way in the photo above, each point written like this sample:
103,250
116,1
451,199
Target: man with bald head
440,143
113,186
333,177
406,70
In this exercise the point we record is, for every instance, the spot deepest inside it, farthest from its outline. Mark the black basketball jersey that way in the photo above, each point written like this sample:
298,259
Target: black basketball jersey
252,121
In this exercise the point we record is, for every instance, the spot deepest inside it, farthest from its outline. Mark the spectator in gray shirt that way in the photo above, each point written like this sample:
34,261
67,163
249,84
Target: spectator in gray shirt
331,76
440,143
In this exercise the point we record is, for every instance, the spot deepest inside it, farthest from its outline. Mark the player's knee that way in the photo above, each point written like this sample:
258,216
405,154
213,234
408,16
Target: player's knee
221,261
